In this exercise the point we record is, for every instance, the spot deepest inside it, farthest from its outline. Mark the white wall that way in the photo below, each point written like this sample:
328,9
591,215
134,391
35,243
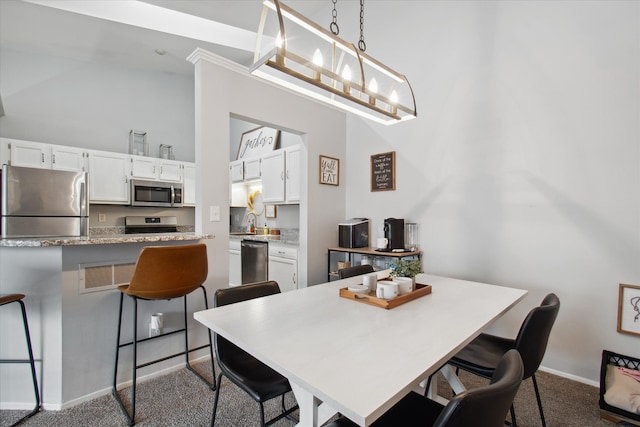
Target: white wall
220,93
522,168
94,105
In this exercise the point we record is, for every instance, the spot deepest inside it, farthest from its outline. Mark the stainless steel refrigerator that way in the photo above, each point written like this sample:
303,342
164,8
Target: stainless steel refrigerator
43,203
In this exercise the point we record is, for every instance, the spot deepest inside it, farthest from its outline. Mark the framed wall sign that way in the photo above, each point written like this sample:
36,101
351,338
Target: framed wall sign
256,142
629,309
329,170
383,171
270,211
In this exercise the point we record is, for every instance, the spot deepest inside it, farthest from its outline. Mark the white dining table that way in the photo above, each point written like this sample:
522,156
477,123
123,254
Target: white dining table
345,356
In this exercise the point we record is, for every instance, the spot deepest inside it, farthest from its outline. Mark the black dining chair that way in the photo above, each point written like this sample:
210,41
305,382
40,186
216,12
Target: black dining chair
258,380
356,270
482,355
485,406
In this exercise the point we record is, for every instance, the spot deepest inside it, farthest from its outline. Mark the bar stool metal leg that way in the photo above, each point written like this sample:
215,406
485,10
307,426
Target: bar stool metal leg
7,299
131,415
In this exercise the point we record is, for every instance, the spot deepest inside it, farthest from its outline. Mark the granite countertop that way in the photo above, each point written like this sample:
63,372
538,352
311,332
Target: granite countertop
102,239
287,236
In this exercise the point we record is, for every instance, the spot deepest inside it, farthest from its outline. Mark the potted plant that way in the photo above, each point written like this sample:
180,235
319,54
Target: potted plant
406,268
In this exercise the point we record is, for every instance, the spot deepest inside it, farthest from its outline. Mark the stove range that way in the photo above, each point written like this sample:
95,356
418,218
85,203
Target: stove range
150,224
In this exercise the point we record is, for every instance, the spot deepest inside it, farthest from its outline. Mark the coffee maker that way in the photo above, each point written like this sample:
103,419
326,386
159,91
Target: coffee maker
394,232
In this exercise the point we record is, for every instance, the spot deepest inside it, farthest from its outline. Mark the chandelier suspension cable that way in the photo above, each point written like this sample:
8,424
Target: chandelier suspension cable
334,21
361,44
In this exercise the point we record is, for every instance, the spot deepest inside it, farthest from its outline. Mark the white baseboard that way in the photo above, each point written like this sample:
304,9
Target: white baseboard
570,376
105,391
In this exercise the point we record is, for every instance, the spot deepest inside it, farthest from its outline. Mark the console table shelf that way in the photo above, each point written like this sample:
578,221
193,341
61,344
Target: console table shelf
356,256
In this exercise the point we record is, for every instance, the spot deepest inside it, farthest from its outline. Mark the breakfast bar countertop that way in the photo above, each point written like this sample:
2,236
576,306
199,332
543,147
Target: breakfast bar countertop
102,239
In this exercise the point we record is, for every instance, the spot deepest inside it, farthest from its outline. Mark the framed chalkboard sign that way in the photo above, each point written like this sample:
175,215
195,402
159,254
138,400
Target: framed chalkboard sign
383,171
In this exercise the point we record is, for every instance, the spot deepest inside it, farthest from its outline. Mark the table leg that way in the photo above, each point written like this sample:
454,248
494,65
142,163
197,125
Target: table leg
452,379
313,412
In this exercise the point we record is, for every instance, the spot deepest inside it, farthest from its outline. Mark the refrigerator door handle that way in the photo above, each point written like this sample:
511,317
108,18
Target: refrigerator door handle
173,195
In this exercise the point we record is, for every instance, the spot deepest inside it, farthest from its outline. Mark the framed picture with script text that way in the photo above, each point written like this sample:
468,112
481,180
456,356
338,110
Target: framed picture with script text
329,170
256,142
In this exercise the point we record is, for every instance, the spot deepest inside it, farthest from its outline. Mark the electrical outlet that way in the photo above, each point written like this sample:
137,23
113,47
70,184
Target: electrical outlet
102,217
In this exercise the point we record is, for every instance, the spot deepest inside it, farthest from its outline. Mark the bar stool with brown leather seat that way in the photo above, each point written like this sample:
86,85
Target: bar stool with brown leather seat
5,300
163,273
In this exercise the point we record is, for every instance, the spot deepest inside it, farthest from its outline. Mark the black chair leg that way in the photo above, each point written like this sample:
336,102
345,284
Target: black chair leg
535,387
114,390
261,415
513,423
215,400
212,385
32,365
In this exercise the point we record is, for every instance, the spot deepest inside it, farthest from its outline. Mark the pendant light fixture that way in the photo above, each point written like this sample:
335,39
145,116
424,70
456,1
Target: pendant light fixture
298,54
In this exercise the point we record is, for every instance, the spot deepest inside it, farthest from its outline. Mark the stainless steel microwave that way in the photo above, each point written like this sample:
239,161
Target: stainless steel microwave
156,193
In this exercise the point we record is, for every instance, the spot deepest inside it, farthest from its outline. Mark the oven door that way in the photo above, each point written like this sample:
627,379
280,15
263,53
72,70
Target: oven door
156,193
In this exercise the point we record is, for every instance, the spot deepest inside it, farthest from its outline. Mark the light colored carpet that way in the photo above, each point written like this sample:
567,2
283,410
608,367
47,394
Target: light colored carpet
181,399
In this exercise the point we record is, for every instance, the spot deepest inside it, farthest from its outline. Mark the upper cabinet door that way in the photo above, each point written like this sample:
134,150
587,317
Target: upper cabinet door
143,167
236,171
108,181
273,177
30,154
293,174
68,158
252,169
169,170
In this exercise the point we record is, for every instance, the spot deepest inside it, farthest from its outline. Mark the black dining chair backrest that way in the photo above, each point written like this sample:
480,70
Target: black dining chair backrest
232,295
356,270
534,333
486,406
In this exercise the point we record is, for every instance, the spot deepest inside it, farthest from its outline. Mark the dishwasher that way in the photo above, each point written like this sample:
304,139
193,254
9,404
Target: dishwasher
255,261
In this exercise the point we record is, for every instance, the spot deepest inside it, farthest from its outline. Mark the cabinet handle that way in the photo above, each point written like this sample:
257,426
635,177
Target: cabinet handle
53,158
42,157
154,170
282,176
294,278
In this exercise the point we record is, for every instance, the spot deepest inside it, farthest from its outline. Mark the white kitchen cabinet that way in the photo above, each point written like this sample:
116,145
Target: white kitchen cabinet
43,156
28,154
273,177
142,167
169,170
68,158
236,171
108,182
189,184
154,169
283,266
235,263
292,161
281,176
252,169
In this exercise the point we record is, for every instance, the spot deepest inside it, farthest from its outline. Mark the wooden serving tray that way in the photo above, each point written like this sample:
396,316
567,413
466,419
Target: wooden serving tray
371,299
